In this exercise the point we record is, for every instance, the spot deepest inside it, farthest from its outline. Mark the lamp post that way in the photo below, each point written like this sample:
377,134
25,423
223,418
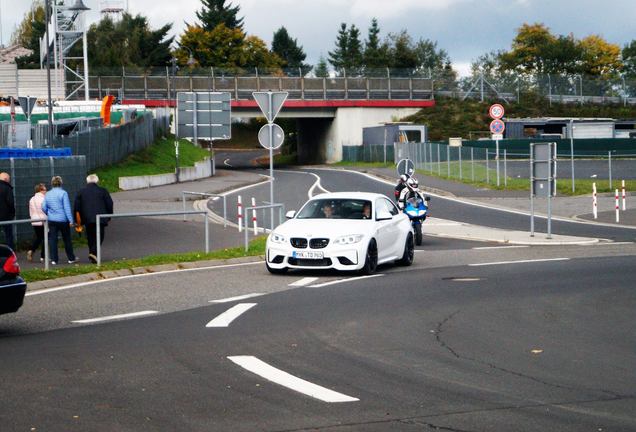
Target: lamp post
173,62
47,14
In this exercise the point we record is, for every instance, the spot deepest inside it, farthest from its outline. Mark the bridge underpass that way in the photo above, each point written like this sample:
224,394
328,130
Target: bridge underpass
330,112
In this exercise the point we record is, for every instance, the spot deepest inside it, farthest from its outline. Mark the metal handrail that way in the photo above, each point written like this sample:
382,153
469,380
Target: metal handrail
281,211
184,193
149,214
46,235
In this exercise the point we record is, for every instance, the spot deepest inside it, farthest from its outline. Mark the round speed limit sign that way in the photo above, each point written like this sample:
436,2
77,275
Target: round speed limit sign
496,111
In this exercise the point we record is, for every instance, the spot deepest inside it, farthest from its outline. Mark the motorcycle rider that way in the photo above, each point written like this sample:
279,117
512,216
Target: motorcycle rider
400,186
410,189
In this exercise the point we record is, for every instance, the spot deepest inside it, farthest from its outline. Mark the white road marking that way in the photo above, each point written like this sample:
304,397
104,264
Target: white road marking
345,280
310,192
116,317
230,315
284,379
225,162
231,299
83,284
614,243
499,247
304,281
519,262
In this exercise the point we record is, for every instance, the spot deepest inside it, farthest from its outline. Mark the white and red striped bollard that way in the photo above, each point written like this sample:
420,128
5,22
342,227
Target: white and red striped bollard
240,214
254,216
623,187
617,209
594,202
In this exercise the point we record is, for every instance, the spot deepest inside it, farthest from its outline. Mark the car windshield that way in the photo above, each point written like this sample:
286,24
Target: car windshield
336,209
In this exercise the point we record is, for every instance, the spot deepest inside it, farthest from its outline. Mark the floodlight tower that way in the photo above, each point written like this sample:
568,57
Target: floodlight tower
67,24
113,8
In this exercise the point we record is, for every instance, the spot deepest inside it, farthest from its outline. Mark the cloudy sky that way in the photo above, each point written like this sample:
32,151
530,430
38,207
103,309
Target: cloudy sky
464,28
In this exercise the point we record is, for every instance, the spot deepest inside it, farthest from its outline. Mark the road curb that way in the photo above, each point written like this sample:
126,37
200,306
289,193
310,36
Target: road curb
115,274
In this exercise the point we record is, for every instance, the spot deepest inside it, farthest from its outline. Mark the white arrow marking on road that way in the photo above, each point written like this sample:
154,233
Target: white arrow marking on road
231,299
115,317
519,262
304,281
284,379
225,162
345,280
230,315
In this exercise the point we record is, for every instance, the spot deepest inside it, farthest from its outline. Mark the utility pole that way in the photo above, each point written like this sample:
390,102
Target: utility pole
48,72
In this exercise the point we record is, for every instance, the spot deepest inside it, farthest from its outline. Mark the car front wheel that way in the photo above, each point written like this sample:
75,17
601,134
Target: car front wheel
371,259
409,251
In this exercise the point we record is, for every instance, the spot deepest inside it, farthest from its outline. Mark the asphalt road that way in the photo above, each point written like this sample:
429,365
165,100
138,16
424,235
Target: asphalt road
416,347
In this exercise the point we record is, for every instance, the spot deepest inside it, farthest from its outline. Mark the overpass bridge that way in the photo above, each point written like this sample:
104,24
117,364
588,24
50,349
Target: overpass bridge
330,112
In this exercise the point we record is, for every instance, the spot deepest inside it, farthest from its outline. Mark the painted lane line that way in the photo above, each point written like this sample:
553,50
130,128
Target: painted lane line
284,379
237,298
303,281
116,317
519,262
499,247
101,281
230,315
338,281
310,192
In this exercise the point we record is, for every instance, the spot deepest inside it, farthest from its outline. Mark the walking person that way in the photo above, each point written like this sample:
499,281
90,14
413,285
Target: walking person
7,207
89,202
35,212
57,207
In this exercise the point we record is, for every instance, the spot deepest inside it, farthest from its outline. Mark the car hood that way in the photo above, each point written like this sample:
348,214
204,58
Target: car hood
324,228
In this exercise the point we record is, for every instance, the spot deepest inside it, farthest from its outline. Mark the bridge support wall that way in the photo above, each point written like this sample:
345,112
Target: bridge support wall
321,140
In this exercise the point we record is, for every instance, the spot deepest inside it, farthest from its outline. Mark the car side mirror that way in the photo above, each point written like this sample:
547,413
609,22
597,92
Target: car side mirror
427,198
383,215
290,214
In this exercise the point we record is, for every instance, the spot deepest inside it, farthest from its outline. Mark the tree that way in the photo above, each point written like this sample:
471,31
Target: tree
600,58
28,35
402,53
321,70
291,54
529,48
375,52
338,57
215,12
354,59
128,42
629,59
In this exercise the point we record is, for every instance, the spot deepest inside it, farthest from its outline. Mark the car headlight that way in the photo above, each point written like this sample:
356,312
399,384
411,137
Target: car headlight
276,238
348,239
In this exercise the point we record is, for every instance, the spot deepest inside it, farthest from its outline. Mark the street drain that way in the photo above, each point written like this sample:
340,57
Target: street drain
462,279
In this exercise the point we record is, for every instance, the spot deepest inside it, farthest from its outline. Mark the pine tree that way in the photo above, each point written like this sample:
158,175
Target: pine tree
375,54
321,70
215,12
354,59
338,57
289,51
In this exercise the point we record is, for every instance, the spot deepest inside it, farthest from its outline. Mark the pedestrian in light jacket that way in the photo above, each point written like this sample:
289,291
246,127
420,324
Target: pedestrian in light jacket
36,212
57,207
91,201
7,207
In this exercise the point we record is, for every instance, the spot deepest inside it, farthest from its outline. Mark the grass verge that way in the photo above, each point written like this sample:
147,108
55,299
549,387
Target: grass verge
256,247
158,158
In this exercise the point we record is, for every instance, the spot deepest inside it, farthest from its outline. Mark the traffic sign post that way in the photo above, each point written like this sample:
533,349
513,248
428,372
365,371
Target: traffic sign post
271,135
497,127
543,160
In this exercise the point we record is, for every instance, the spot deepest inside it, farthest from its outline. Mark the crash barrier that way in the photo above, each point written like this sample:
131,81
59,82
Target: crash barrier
46,235
281,213
109,145
150,214
26,173
207,195
21,153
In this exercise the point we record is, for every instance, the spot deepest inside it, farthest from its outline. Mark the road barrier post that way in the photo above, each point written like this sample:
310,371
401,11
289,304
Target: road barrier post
609,159
617,208
240,214
594,201
623,188
254,217
487,169
472,164
505,169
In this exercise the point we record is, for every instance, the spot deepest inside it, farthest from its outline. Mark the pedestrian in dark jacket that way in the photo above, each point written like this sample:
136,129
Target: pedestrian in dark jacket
7,207
57,207
89,202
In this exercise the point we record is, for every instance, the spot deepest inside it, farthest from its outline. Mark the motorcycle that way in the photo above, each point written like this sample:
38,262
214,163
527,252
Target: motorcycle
416,208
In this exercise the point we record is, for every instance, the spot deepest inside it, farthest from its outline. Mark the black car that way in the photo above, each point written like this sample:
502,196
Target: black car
12,286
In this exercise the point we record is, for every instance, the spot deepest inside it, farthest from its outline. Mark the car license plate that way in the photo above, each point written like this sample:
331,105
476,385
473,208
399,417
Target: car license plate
307,254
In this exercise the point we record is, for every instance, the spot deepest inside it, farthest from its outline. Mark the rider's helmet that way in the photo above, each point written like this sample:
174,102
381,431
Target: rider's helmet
403,178
411,182
415,183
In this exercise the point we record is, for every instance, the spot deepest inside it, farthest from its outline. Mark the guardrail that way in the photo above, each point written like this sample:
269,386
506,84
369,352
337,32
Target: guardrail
209,195
46,235
281,212
150,214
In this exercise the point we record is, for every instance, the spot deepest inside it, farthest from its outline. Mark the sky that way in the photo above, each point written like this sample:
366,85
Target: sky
464,28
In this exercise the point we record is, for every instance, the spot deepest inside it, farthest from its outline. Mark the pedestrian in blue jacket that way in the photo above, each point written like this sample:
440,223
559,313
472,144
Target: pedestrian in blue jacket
57,207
